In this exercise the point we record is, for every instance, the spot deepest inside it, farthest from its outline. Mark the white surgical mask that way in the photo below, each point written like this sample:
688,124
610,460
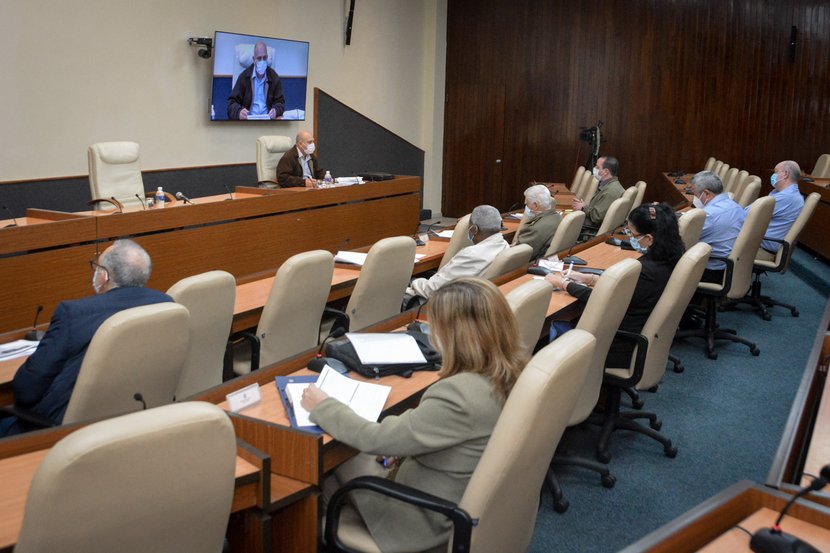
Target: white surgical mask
528,212
697,202
94,281
309,148
261,65
595,172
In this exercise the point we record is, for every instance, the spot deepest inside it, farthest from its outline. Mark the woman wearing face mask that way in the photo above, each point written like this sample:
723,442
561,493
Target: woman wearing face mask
653,231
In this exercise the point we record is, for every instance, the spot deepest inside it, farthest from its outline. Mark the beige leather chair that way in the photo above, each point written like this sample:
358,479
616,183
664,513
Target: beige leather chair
822,167
584,184
737,278
503,493
641,192
567,233
717,167
529,303
136,351
602,316
158,480
209,297
630,194
458,241
589,189
730,179
514,257
649,362
115,176
269,150
710,164
691,225
290,321
777,263
724,168
749,192
736,185
615,216
577,180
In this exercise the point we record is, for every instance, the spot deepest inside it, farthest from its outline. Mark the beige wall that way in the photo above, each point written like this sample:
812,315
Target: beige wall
77,72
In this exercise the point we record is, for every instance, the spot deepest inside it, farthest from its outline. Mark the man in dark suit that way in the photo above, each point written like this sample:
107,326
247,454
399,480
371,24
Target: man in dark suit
258,90
44,383
298,166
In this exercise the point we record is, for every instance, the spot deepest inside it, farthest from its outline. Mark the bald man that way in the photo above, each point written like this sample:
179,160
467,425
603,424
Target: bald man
44,383
298,166
258,89
788,205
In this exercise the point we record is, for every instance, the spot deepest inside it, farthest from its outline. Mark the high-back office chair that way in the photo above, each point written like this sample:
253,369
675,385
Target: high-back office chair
503,493
514,257
641,192
736,280
115,176
717,167
529,303
730,179
822,167
290,320
589,188
158,480
567,233
691,225
724,168
749,192
577,180
630,194
710,164
650,358
584,184
209,297
458,241
615,216
736,184
602,316
778,262
269,150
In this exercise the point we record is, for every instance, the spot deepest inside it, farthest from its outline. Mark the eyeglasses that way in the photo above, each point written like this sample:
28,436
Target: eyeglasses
94,265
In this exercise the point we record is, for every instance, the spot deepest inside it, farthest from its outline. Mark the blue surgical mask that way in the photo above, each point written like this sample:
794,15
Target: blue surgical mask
261,65
773,179
635,243
470,236
528,212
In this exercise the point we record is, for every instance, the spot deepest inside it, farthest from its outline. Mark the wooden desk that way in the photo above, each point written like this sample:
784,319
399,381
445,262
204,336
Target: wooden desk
678,198
709,527
816,234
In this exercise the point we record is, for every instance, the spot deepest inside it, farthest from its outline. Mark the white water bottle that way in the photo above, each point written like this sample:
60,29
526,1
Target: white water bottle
327,180
159,197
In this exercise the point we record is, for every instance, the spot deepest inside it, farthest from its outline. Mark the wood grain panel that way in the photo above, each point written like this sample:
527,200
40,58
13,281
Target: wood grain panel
674,82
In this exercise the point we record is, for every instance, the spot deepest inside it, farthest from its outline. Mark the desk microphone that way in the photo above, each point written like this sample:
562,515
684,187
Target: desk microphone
773,540
182,197
36,334
141,201
319,361
9,211
138,397
512,207
117,204
416,325
228,190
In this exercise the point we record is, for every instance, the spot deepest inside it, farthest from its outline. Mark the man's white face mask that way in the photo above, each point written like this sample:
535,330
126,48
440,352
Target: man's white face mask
261,65
309,148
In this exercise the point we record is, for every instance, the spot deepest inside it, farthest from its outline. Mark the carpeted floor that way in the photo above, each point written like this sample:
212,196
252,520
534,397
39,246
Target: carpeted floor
725,416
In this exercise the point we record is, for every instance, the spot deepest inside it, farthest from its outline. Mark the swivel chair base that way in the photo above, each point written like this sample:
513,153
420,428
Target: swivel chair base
759,302
560,502
710,332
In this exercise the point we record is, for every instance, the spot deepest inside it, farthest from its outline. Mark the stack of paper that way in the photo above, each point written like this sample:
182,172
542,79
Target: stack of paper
347,181
18,348
444,234
386,348
359,258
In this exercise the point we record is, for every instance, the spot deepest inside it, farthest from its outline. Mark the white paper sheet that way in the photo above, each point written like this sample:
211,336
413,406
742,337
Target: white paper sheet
445,233
365,399
355,258
386,348
18,348
294,391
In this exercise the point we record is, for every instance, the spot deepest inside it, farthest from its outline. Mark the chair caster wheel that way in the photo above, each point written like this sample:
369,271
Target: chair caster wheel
670,451
679,368
766,317
608,481
712,355
794,312
561,505
755,352
656,425
638,404
653,389
603,456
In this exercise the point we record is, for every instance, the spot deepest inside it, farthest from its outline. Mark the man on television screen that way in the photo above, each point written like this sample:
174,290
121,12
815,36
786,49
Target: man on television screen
258,90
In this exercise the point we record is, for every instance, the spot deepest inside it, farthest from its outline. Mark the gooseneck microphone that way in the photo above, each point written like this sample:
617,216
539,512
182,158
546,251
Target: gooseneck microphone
36,334
319,361
138,397
9,211
228,190
117,204
141,201
773,540
182,197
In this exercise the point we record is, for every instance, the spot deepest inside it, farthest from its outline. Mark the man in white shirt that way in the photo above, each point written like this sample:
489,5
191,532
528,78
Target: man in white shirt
486,243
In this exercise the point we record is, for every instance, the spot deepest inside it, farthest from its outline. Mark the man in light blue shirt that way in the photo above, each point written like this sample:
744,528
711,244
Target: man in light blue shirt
788,204
724,219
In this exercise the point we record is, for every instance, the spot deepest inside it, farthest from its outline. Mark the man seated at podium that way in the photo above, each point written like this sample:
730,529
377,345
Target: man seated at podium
486,241
44,383
298,166
258,90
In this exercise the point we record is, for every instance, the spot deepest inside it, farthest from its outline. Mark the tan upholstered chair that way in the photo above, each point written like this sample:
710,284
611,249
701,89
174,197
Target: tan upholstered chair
115,176
691,225
710,164
602,316
822,167
749,192
615,216
290,320
529,303
567,233
630,194
730,179
589,189
724,168
736,185
737,278
717,167
503,493
269,150
650,358
584,184
522,223
209,297
514,257
577,180
778,263
641,192
158,480
458,241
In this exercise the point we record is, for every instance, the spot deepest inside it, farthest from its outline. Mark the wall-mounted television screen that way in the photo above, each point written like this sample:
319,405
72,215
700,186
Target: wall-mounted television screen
257,78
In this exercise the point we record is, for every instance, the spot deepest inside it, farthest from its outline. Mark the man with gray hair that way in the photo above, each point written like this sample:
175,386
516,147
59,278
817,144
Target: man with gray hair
724,219
788,205
44,383
486,243
540,221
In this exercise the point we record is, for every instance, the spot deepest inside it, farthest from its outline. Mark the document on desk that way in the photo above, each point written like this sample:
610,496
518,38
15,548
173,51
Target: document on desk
364,398
386,349
18,348
359,258
444,234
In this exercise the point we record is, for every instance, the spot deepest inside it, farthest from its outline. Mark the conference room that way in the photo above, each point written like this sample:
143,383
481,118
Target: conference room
409,96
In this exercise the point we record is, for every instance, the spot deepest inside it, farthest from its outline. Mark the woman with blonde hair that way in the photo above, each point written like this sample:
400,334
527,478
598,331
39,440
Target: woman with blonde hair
443,438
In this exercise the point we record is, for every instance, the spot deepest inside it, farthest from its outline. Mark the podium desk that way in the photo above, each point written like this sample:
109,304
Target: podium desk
710,526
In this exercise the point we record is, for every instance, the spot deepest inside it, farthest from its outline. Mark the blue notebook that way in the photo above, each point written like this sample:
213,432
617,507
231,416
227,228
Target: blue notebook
281,381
